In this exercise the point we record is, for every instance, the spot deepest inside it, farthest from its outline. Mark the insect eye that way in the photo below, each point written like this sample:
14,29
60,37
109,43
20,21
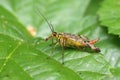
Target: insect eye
54,33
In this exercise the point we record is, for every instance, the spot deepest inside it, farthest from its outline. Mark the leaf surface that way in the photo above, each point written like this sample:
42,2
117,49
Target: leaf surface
109,15
31,57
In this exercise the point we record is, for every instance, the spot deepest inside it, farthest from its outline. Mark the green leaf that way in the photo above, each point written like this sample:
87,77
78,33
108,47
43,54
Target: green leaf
86,74
109,15
9,69
11,26
24,62
116,73
75,17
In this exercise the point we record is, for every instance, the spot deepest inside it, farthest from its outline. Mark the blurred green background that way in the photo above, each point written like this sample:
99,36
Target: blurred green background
24,55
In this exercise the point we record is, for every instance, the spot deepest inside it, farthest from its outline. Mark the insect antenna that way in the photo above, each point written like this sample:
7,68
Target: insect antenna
49,24
52,27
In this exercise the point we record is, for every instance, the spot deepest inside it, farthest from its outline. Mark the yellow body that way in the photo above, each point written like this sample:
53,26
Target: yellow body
70,40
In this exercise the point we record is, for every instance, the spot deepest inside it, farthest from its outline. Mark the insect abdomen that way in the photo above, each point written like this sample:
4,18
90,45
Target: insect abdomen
69,41
74,43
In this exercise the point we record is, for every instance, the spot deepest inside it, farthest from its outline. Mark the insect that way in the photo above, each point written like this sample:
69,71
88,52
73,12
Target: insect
70,40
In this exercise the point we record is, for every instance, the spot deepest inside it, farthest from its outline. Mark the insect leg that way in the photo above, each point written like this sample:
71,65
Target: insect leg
63,53
62,42
54,47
